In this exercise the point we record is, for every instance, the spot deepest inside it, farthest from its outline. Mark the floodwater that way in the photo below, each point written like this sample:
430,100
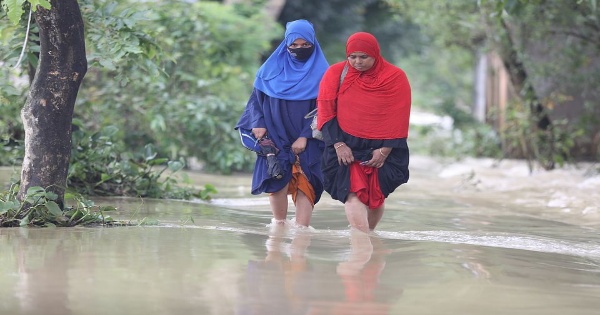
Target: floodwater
443,247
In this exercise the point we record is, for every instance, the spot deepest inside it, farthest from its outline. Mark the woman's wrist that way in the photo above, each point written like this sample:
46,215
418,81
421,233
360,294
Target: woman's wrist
338,145
384,153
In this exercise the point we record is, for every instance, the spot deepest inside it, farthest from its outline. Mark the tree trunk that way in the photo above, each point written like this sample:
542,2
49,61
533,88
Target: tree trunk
48,111
520,80
544,146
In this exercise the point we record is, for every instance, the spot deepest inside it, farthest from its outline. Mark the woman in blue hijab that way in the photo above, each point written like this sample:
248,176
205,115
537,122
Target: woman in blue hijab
285,90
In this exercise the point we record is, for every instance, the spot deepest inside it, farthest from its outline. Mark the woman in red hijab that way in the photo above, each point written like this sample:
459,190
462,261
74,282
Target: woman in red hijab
363,112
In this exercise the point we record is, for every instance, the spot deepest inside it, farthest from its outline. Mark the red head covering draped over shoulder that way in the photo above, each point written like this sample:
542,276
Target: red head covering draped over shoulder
374,104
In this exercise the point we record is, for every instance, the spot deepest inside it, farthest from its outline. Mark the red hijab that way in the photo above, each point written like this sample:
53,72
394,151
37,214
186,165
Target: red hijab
374,104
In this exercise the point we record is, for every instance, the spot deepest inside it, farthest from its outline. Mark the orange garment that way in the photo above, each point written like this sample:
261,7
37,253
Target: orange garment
300,182
364,182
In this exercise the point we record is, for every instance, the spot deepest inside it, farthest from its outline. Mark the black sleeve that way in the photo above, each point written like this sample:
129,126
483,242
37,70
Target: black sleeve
394,143
332,132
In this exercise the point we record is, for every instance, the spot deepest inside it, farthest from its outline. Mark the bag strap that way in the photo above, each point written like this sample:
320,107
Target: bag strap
342,76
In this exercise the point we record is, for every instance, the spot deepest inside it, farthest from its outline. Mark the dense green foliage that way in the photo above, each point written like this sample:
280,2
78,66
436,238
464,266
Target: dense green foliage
189,109
39,208
529,36
564,77
101,167
176,83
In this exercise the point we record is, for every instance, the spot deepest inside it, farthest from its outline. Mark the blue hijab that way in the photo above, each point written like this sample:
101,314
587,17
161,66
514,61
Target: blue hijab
282,76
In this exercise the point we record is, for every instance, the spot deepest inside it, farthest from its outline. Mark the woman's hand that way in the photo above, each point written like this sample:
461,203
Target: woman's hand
344,153
299,145
379,156
259,133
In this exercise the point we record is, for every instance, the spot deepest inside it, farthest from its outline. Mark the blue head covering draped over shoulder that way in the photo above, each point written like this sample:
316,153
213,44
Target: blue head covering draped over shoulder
282,76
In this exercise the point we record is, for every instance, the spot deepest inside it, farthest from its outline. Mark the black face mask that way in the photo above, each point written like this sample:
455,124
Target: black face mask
301,53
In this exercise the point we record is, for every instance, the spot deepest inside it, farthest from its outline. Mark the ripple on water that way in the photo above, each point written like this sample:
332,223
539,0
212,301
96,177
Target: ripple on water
511,241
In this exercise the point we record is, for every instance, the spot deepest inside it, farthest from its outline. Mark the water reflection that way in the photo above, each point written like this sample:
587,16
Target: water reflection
286,281
360,275
473,260
41,260
279,283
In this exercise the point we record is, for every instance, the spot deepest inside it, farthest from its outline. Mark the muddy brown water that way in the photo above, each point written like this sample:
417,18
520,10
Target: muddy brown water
432,254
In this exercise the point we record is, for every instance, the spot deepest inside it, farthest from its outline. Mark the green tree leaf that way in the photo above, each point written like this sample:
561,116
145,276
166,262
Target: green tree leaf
34,190
175,166
14,9
51,195
54,208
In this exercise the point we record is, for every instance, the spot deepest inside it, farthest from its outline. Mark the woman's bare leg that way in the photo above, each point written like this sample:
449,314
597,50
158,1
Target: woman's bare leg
279,204
375,216
304,209
357,213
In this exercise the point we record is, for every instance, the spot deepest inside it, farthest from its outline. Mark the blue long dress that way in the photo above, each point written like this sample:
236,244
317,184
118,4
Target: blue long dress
285,122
